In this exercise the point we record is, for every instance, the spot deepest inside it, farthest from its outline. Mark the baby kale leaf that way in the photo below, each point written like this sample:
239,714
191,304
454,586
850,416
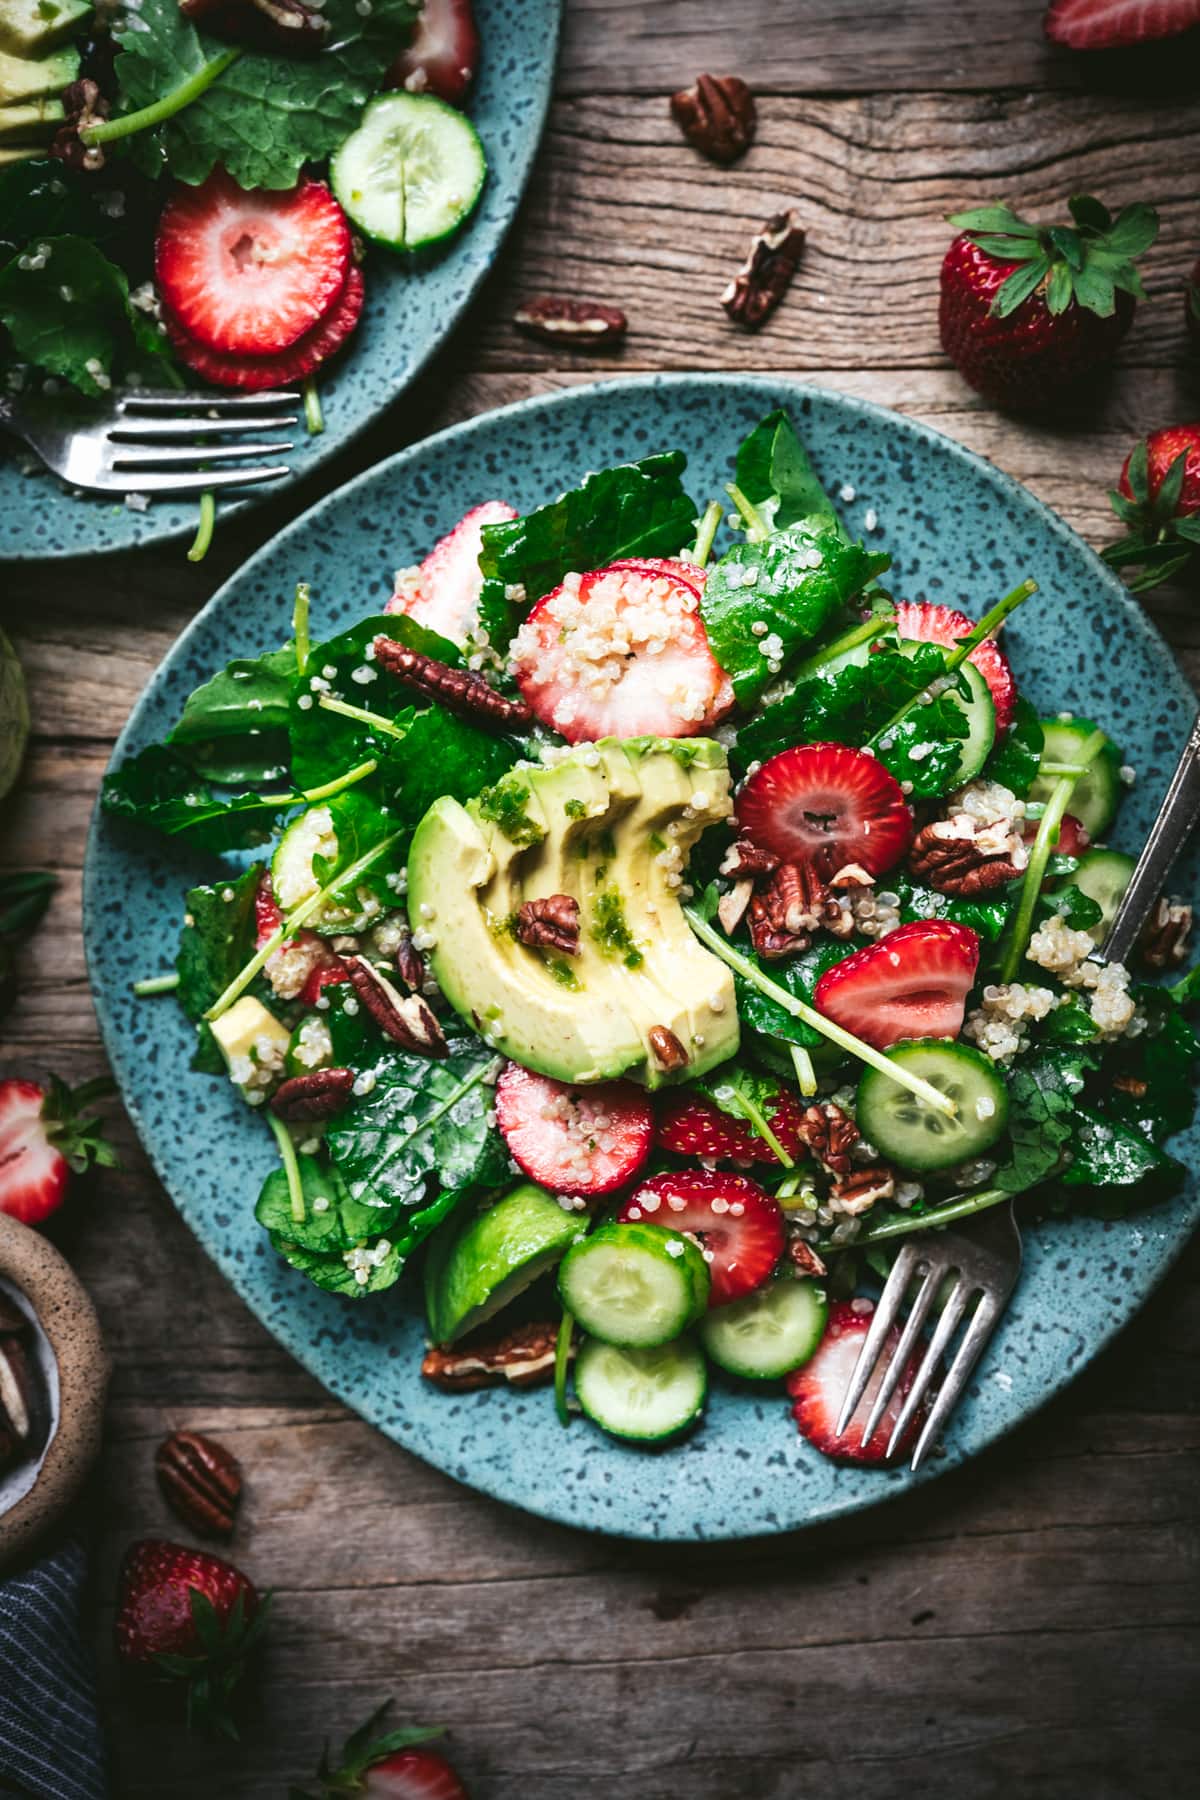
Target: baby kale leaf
71,316
159,789
776,476
1014,761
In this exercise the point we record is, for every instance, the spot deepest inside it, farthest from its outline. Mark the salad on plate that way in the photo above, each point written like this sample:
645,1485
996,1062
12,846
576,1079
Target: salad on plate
647,922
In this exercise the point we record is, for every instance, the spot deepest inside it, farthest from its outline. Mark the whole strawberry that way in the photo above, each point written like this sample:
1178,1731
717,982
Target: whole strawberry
1117,24
395,1766
189,1617
1027,310
1158,500
47,1134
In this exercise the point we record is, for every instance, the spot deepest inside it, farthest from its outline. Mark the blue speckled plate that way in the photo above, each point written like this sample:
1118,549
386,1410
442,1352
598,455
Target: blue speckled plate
960,532
409,312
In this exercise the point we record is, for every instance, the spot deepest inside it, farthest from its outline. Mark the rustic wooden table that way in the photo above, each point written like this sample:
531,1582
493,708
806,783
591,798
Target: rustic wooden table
1021,1628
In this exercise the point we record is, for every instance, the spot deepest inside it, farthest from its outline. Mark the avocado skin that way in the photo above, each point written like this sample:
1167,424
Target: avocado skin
473,1272
600,825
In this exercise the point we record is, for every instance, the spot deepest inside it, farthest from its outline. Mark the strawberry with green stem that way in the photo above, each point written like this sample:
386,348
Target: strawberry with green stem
1158,500
1027,310
47,1135
393,1766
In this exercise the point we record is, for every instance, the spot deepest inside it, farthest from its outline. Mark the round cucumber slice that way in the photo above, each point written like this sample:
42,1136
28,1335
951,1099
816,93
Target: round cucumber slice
906,1131
634,1285
412,173
980,710
1097,794
644,1395
1103,875
770,1332
474,1270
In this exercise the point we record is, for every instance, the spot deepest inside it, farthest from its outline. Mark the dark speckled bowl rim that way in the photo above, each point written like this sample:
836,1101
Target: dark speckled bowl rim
771,387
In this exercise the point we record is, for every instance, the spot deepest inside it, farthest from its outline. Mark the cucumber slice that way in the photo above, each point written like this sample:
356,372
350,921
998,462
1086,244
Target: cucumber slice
293,877
1097,794
906,1131
980,710
634,1285
1103,875
770,1332
412,173
644,1395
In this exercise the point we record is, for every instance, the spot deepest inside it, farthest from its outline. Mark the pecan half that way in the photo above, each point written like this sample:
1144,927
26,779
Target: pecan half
522,1358
830,1134
286,27
1163,940
745,857
407,1020
669,1053
858,1190
1133,1085
84,105
804,1258
718,116
550,924
766,274
954,858
731,907
783,915
316,1095
201,1482
579,324
462,690
410,964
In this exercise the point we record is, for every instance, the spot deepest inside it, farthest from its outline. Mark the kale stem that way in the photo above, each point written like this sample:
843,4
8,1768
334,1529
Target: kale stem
314,418
806,1075
329,789
706,531
156,984
562,1362
878,625
867,1053
375,720
1061,768
204,528
1039,856
287,1156
756,526
289,926
300,624
107,131
961,1208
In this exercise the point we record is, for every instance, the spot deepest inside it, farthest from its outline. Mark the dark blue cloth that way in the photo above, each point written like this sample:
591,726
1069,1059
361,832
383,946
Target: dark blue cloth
50,1744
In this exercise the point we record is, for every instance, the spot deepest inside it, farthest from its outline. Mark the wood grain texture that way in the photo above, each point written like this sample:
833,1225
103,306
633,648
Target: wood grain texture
1027,1626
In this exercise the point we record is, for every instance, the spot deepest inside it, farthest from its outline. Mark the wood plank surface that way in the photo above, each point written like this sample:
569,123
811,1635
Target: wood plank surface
1026,1627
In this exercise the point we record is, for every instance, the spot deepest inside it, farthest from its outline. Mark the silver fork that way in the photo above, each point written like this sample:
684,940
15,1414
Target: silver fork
152,441
985,1255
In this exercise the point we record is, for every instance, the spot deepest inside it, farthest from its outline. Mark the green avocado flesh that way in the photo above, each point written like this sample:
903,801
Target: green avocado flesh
25,78
609,825
29,27
474,1272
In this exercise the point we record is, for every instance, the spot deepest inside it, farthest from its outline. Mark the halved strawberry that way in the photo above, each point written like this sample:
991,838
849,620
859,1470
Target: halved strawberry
412,1775
327,967
253,373
1073,838
738,1225
251,273
1117,24
689,1124
622,652
827,805
46,1134
443,592
389,1765
819,1388
945,625
912,983
442,55
574,1140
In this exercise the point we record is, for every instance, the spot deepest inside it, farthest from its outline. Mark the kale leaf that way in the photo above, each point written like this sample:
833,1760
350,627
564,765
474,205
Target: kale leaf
331,1271
217,941
635,509
234,726
70,315
1106,1153
799,975
764,601
776,476
1043,1095
1014,761
987,916
266,115
340,1225
159,789
445,755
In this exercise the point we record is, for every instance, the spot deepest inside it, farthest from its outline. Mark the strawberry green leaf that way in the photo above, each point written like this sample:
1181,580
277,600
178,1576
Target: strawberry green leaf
1135,230
1007,249
1157,572
992,218
1189,528
1128,511
1059,289
1020,284
1068,245
1094,289
1138,472
1089,213
1166,500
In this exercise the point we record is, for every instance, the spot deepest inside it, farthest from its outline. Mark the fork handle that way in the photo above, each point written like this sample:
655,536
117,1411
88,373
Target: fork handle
1177,817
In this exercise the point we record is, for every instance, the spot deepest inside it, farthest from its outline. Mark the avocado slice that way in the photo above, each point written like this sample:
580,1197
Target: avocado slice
608,824
31,119
471,1272
36,77
31,27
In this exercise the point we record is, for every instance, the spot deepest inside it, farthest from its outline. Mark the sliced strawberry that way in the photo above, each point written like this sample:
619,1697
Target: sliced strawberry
1073,838
827,805
1115,24
412,1775
443,593
442,55
622,652
945,625
738,1225
46,1134
912,983
819,1388
574,1140
689,1124
251,273
328,968
253,373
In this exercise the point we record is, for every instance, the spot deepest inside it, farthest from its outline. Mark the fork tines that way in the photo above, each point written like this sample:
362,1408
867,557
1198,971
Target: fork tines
138,439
